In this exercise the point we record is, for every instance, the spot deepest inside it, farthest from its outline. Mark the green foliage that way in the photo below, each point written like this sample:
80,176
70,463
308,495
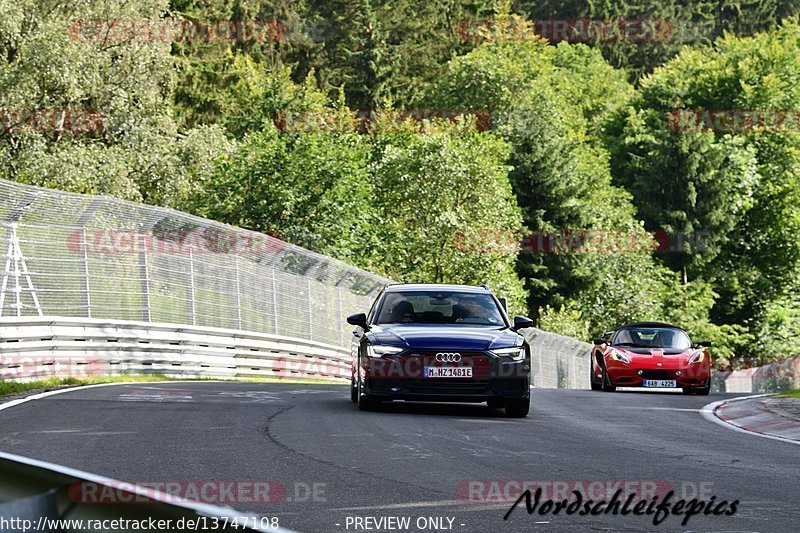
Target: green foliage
50,60
445,196
312,189
740,188
677,24
549,103
695,187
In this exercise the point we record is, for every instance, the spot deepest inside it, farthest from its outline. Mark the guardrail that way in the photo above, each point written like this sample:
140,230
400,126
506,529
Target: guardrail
558,361
45,502
40,347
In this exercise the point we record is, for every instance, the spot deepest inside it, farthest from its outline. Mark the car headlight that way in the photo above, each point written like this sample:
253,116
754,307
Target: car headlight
697,358
619,356
517,354
379,350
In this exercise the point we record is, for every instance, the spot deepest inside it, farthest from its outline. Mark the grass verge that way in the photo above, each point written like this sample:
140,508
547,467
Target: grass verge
794,393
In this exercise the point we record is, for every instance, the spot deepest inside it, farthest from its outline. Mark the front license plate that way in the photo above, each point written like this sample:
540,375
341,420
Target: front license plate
448,371
660,383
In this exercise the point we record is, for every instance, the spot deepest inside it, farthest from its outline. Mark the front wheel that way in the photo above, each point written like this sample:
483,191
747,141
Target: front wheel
699,391
606,385
364,403
592,379
518,408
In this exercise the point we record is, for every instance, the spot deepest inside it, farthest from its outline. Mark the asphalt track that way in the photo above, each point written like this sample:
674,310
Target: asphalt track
413,460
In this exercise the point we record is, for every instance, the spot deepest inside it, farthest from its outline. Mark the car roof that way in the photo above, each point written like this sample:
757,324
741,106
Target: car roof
649,325
397,287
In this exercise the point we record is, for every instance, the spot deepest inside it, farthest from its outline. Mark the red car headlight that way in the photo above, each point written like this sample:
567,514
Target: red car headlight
697,358
619,356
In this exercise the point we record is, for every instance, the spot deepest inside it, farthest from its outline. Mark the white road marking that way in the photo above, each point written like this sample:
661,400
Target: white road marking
60,431
484,421
660,409
32,397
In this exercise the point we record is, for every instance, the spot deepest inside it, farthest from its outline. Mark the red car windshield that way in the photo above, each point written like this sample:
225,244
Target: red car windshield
652,338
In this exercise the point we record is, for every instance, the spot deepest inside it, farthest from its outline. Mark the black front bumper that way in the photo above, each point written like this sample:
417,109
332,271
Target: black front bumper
493,378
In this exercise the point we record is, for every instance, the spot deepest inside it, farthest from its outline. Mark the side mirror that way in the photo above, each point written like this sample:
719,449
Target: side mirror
599,340
522,322
702,344
358,319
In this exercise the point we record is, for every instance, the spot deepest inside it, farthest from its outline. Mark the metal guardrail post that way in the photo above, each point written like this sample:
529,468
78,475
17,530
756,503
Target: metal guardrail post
340,316
274,303
148,317
191,284
310,310
238,293
86,287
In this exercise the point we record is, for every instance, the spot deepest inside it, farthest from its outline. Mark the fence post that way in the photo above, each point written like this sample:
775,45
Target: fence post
340,321
145,283
310,310
238,293
274,303
191,284
87,298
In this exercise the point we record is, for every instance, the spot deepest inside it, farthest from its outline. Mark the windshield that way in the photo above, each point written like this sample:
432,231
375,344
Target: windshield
438,307
652,338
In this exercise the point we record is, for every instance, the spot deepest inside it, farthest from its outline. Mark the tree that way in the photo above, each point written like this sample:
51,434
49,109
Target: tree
550,104
311,189
734,179
446,205
659,29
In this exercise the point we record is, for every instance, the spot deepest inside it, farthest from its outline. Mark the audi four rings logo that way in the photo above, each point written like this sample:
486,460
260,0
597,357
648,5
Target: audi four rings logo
448,357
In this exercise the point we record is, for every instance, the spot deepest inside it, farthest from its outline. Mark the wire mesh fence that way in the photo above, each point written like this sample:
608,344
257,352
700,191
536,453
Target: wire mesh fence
87,256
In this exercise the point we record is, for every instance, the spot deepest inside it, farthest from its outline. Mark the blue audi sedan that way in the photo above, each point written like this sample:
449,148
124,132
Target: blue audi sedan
445,343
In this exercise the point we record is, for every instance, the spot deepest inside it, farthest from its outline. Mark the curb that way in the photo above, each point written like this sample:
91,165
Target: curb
748,415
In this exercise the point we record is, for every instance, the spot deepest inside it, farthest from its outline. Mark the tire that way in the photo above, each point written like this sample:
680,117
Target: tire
353,390
606,383
592,379
518,408
496,403
364,403
699,391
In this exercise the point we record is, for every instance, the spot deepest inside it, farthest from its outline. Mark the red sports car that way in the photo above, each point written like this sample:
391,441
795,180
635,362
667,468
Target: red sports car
650,355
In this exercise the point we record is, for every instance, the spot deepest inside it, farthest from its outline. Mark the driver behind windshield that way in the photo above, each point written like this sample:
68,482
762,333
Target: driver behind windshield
440,308
467,308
